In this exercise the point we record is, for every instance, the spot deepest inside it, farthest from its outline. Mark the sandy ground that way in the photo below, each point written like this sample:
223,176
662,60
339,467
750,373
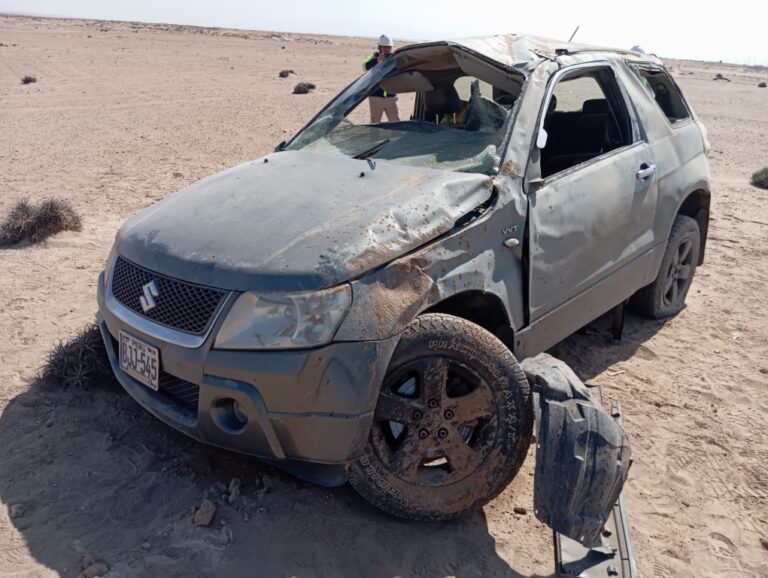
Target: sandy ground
122,115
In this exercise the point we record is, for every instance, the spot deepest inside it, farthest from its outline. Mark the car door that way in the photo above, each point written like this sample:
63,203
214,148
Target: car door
593,196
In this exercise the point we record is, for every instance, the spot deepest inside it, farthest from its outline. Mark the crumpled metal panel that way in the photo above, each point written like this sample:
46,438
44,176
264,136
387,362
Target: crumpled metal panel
508,49
614,559
472,257
297,221
582,453
523,51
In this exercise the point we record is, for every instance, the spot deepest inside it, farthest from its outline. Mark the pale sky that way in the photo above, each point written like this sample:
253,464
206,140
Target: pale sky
733,31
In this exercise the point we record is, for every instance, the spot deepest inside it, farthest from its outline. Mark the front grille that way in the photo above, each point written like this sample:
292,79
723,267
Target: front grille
178,304
182,392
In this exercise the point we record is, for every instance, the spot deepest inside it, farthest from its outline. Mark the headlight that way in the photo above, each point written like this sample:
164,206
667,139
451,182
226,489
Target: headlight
284,320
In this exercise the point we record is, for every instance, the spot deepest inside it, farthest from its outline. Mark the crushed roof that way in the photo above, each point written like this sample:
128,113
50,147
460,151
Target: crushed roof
519,50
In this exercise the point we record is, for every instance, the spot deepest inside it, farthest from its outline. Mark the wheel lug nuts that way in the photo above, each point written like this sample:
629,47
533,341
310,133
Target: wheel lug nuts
417,415
442,433
423,434
433,403
448,414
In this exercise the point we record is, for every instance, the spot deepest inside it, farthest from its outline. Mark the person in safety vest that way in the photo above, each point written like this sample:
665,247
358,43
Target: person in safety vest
382,101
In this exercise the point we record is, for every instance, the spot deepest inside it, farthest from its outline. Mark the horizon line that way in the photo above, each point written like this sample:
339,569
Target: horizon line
203,27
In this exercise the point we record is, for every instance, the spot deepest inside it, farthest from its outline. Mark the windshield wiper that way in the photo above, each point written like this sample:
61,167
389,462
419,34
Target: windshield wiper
372,151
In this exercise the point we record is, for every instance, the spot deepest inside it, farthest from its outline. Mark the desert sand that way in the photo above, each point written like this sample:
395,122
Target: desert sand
124,114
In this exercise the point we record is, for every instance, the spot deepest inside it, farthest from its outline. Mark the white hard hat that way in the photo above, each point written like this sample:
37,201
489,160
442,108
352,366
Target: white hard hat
385,40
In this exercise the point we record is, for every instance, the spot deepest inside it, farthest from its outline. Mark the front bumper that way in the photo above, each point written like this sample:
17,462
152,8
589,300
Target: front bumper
308,411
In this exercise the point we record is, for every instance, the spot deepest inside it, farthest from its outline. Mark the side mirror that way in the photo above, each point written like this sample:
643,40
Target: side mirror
541,139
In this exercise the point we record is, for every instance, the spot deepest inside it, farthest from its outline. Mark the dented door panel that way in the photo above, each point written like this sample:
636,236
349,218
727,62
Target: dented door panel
586,224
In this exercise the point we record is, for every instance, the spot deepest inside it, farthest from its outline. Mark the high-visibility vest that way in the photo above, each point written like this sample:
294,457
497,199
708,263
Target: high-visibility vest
369,63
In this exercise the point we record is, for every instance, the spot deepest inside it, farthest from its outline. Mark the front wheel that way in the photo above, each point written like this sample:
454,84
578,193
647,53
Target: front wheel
452,424
666,295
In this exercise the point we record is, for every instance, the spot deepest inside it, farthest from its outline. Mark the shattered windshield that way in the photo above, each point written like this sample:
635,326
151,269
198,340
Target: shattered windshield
437,108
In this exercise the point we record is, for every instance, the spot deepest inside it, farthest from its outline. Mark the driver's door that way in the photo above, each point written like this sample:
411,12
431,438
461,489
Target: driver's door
592,207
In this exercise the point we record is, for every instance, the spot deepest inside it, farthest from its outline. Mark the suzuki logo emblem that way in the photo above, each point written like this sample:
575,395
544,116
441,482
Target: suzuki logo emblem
148,298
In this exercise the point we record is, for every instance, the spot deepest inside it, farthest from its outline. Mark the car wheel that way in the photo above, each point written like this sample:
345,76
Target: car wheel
452,424
666,295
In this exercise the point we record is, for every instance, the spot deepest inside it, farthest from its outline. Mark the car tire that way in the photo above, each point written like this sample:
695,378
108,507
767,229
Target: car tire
666,295
452,425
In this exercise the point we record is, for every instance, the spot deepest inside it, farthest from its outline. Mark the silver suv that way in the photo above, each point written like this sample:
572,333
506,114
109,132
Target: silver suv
353,306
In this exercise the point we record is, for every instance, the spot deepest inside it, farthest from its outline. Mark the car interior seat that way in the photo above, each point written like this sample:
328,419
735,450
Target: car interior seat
442,100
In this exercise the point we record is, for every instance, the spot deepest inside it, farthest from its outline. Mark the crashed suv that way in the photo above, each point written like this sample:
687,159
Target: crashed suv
353,306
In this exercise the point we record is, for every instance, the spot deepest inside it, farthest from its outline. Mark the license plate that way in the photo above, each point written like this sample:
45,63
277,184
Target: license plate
139,360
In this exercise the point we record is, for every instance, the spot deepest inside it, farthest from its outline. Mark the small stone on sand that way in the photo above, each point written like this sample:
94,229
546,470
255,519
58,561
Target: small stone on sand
94,570
204,513
234,491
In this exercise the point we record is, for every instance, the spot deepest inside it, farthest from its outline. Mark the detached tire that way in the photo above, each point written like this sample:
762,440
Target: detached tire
666,295
452,424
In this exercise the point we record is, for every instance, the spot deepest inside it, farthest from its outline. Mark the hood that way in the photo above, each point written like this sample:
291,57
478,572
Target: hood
297,220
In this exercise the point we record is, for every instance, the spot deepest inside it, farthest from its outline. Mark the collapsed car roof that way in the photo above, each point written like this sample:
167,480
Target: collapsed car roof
519,52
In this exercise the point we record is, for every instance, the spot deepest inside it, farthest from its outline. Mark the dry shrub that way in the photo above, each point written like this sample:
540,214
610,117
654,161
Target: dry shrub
38,222
28,79
761,85
80,362
760,179
285,73
303,88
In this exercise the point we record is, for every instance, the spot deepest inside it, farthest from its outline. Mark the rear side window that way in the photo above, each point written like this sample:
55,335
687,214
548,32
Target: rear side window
664,92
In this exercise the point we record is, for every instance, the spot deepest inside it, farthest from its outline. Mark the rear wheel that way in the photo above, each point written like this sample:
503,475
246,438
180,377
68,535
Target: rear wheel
666,295
452,424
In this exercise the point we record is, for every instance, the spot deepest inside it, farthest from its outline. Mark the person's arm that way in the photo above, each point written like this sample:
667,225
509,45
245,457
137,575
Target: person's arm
371,61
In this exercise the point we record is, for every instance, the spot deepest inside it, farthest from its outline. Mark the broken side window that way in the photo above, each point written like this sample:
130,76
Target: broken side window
664,91
586,117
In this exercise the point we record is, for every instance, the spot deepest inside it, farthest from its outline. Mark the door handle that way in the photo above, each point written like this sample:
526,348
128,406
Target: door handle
645,171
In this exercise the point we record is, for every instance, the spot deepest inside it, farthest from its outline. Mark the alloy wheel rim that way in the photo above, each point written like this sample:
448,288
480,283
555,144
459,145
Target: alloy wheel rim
434,421
679,273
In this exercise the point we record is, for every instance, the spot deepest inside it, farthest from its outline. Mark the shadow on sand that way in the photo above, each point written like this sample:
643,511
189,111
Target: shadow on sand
98,475
592,350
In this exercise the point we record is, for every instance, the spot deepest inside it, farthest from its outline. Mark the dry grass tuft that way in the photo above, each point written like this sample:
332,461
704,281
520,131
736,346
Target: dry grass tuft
760,179
303,88
762,85
80,362
285,73
38,222
28,79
